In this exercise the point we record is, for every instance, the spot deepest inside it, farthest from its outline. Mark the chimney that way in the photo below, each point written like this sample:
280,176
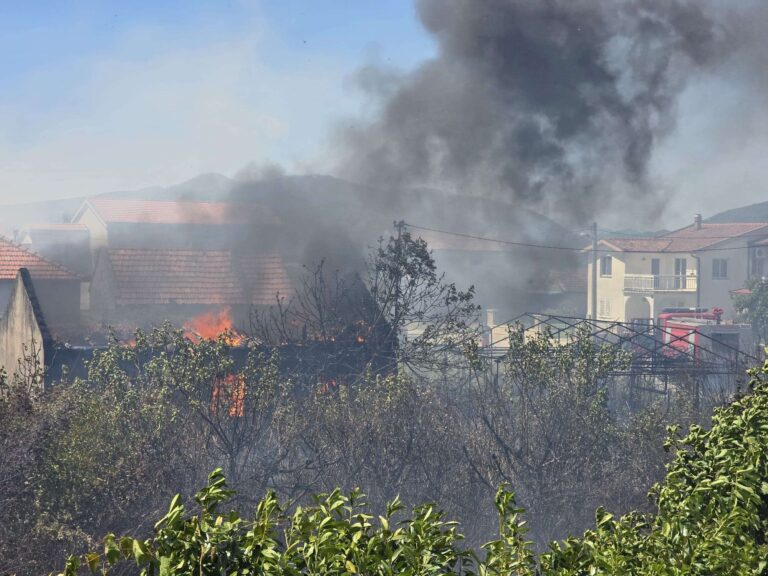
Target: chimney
489,317
697,221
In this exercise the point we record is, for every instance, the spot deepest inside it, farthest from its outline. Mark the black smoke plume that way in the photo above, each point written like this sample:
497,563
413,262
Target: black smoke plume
554,104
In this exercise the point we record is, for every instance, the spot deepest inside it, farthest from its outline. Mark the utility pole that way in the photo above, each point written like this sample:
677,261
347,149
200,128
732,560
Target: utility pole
594,270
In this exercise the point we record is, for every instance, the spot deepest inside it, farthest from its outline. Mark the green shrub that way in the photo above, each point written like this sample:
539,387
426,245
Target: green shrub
712,518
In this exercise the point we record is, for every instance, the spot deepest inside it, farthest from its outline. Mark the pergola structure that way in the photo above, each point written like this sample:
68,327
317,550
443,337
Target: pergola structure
710,367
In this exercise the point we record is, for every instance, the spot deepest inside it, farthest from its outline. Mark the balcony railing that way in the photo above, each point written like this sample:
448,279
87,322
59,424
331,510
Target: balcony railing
656,283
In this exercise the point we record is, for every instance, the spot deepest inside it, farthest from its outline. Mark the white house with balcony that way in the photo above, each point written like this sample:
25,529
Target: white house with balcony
696,266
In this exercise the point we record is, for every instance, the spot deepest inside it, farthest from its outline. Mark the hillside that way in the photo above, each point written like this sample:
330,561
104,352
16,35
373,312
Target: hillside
753,213
325,218
324,203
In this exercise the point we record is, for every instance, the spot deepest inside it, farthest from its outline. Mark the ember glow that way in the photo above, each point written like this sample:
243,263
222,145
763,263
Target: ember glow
211,325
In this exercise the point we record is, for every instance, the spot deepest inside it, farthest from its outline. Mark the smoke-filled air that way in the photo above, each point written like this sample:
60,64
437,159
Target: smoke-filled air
472,287
557,105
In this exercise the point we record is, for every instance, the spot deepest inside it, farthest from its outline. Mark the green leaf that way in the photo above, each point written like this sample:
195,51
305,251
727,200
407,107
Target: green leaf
92,559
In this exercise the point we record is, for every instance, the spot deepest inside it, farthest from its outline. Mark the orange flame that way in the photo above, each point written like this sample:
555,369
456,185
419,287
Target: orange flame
211,325
229,393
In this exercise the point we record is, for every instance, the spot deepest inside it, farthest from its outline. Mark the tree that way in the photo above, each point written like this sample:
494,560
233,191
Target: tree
711,518
399,310
544,425
753,307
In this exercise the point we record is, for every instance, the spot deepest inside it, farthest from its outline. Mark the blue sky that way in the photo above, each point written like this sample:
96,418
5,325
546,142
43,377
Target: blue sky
104,95
107,95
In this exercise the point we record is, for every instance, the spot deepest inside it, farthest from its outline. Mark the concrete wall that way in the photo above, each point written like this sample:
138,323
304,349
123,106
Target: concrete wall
717,291
96,228
615,304
101,295
610,289
59,301
22,325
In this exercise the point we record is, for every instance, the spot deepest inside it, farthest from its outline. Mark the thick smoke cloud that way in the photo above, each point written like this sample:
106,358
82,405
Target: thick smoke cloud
555,104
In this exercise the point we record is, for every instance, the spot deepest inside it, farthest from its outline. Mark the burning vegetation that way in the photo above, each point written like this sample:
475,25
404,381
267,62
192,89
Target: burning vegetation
213,325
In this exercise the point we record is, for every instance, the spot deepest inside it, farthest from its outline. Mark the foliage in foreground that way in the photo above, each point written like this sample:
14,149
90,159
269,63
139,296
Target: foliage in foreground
712,517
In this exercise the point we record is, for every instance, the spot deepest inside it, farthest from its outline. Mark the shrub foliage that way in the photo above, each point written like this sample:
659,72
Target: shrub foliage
711,517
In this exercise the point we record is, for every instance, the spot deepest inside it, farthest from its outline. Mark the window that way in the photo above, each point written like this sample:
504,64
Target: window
719,268
681,269
606,266
605,307
655,272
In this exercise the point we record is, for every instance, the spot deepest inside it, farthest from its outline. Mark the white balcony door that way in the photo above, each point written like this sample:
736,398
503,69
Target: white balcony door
655,271
681,269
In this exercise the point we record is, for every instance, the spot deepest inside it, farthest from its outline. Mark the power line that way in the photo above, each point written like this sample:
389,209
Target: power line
572,249
496,240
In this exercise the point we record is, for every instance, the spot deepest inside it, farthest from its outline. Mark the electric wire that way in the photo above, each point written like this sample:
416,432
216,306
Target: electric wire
571,248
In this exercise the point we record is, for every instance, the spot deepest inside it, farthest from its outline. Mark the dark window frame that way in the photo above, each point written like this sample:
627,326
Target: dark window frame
606,266
719,268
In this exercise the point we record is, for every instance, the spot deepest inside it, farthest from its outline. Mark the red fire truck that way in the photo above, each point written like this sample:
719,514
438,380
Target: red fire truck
693,332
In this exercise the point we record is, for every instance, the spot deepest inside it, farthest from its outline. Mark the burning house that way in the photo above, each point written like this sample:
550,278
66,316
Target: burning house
143,287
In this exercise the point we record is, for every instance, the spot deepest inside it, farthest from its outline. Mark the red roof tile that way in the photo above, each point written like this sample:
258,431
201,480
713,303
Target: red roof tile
197,277
636,244
13,257
168,212
689,239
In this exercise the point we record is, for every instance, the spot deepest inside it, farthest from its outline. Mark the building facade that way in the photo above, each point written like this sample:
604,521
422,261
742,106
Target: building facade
695,267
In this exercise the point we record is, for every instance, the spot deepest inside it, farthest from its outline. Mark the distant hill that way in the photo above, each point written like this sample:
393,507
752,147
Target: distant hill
324,218
329,200
752,213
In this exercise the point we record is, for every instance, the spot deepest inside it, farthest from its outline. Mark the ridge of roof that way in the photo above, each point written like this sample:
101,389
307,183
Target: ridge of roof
687,239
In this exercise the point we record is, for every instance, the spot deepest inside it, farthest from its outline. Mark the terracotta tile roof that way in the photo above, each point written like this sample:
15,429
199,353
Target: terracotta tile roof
689,239
197,277
13,257
169,212
636,244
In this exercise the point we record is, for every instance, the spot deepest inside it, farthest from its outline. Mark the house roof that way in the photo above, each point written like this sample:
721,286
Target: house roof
636,244
689,239
13,257
45,233
117,210
197,277
64,227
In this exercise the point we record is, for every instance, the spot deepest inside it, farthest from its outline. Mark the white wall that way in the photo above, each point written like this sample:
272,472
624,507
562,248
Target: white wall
19,328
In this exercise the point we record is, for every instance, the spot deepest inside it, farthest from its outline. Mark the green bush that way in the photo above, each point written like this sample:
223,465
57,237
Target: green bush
711,518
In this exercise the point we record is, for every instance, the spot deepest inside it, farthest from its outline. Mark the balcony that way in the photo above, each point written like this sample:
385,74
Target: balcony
655,283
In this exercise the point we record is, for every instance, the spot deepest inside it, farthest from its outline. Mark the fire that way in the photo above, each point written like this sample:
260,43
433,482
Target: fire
327,384
211,325
229,393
